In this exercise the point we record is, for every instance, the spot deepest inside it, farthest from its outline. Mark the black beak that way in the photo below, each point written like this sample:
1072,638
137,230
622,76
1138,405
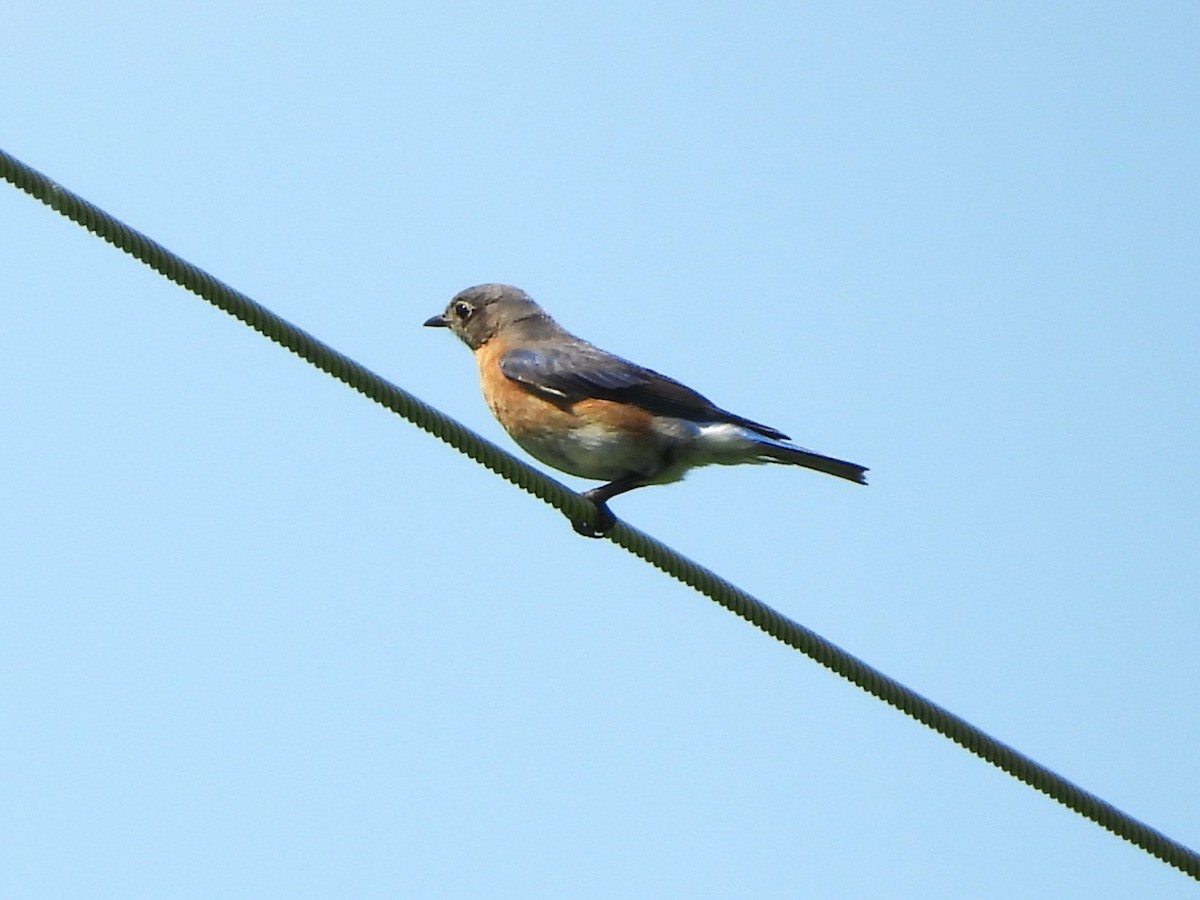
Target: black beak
437,322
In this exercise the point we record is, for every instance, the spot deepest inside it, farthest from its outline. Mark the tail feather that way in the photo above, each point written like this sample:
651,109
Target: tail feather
798,456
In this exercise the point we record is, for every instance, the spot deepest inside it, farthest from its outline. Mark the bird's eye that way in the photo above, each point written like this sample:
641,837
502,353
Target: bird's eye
463,310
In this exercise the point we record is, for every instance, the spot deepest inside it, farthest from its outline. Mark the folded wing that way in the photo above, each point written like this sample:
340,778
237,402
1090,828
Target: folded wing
579,371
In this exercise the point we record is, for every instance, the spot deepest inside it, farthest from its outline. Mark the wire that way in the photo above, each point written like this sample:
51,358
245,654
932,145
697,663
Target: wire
575,507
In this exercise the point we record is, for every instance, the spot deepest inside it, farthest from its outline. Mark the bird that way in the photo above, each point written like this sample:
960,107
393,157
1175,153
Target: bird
597,416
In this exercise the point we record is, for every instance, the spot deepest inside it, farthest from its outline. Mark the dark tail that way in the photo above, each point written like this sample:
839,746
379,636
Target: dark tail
799,457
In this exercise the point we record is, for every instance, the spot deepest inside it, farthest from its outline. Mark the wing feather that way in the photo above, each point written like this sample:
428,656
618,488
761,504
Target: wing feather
578,371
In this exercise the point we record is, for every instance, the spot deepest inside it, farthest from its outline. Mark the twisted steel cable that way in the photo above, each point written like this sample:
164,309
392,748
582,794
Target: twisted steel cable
576,508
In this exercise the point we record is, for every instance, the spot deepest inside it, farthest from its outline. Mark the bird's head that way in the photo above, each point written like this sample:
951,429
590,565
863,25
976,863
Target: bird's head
477,314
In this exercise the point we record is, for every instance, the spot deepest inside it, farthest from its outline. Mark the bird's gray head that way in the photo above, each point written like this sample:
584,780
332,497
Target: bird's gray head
479,312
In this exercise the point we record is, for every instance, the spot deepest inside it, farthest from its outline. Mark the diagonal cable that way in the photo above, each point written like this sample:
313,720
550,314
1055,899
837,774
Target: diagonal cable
575,507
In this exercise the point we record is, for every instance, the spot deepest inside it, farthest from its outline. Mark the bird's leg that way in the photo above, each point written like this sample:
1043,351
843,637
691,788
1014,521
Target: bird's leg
600,496
605,520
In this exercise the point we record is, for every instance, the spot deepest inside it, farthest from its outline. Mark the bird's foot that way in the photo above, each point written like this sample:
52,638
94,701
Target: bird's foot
603,522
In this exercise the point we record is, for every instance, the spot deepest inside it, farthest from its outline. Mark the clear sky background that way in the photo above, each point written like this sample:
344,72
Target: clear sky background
262,638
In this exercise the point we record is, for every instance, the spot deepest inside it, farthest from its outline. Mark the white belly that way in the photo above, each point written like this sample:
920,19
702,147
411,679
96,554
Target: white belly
594,451
674,446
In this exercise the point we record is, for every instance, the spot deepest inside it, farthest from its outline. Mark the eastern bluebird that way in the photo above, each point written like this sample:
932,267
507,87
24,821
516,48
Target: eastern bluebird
595,415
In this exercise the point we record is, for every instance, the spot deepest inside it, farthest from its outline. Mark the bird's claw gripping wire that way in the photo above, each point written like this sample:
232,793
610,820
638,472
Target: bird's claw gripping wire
601,523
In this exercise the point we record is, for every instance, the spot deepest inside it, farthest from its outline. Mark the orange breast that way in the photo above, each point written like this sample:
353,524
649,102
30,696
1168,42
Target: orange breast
590,438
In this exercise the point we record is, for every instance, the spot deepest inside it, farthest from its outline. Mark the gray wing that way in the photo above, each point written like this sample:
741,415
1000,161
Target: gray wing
578,371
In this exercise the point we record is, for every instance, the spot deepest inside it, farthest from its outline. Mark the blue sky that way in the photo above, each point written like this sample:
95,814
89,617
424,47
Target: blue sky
263,638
